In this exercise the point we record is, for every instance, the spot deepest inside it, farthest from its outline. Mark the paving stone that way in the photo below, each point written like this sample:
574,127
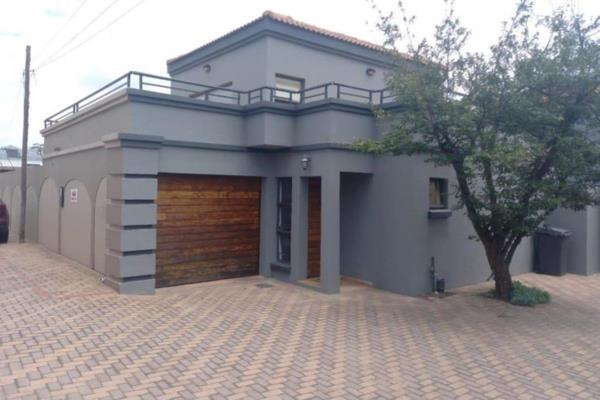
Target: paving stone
63,334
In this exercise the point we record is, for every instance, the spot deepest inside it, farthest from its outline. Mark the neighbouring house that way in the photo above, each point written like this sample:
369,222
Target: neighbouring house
10,157
238,164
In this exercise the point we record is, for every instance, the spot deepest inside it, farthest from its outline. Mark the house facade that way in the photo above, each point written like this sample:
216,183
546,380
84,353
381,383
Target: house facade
238,164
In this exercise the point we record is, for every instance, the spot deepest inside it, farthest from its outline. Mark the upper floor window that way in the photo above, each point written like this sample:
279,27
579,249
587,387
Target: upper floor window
288,85
438,193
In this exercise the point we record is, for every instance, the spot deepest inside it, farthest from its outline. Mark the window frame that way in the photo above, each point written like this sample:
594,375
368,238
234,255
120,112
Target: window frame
443,193
284,205
294,98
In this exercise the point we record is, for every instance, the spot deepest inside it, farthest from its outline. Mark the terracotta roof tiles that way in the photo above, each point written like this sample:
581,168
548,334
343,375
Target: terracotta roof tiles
286,19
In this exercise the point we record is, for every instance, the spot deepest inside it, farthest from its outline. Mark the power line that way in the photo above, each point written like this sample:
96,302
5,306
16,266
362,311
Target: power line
58,57
17,98
72,39
62,27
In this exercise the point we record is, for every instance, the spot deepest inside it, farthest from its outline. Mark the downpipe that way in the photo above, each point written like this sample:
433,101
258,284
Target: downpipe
438,284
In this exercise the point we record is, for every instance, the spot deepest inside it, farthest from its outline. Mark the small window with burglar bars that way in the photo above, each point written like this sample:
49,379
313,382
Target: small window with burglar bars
438,193
284,219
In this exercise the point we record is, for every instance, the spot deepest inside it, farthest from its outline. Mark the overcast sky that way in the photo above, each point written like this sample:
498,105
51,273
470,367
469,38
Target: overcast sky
160,29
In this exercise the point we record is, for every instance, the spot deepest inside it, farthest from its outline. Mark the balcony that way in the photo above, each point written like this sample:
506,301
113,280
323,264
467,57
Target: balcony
191,114
213,94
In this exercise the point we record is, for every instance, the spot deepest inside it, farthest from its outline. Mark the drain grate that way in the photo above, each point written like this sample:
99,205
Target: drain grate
263,285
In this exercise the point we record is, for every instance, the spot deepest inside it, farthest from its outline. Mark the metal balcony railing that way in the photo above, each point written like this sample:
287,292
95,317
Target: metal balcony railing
224,95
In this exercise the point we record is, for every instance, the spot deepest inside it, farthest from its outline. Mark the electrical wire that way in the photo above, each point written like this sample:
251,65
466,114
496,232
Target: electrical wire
58,57
17,98
62,27
74,37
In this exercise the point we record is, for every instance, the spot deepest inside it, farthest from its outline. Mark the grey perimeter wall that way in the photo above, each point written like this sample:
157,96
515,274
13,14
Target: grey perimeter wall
69,229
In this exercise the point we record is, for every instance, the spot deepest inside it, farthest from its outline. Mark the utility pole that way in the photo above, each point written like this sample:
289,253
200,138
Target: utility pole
24,146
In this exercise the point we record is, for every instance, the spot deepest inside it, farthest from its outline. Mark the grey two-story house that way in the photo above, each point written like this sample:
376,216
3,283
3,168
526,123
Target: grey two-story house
238,164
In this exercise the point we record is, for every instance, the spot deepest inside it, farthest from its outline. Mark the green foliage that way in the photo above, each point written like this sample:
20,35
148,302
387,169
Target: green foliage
519,126
525,295
528,296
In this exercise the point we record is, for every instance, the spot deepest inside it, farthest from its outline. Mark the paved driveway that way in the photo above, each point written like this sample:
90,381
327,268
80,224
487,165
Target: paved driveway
63,334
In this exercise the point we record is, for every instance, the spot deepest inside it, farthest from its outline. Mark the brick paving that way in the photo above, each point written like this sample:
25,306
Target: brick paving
65,335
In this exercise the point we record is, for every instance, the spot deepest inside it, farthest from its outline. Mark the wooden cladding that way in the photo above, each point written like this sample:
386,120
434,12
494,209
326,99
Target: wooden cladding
314,228
208,228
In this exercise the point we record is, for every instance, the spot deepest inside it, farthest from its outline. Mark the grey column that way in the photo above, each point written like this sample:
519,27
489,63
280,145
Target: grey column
131,212
330,232
299,237
268,224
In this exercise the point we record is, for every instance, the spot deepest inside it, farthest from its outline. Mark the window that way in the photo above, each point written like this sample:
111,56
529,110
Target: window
289,86
438,193
284,219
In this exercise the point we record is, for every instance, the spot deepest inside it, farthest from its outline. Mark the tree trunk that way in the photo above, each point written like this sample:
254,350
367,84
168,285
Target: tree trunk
503,280
500,267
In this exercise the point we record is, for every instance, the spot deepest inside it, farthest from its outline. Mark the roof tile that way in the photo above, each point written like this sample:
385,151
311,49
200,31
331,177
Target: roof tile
286,19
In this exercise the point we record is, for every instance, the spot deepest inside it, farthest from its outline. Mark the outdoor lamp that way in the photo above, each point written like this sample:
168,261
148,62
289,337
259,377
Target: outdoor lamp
304,162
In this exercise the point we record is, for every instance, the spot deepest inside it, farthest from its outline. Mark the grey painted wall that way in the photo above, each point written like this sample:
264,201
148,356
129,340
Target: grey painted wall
318,66
100,227
252,57
267,56
7,197
583,245
88,126
15,211
387,238
76,224
48,220
177,119
177,123
31,219
593,239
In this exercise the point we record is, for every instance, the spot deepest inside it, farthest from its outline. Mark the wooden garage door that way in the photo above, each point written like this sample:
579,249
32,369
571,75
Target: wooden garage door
207,229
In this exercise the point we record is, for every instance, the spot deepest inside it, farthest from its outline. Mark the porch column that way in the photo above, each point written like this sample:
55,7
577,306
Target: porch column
330,232
299,236
268,225
131,212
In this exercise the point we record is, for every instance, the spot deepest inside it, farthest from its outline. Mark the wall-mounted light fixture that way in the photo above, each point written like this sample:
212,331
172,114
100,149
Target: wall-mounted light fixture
370,71
207,68
305,161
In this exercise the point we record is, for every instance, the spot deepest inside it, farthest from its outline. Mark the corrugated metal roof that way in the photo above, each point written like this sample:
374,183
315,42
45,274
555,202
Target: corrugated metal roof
10,157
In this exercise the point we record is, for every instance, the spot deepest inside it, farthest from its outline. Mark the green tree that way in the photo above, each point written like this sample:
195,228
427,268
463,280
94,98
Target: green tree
519,125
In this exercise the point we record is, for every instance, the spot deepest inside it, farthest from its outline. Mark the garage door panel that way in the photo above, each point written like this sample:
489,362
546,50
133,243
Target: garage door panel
204,229
178,274
208,228
175,239
207,218
216,183
209,195
206,259
188,249
175,209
